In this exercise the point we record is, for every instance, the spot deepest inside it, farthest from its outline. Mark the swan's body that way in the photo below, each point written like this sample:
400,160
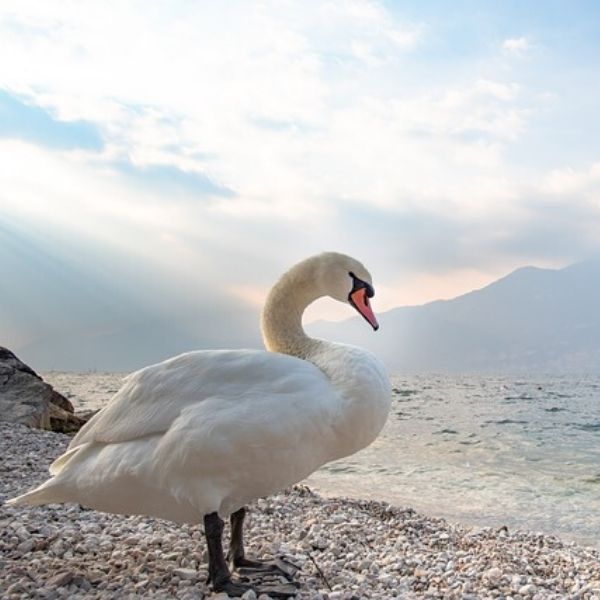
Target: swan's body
209,431
243,424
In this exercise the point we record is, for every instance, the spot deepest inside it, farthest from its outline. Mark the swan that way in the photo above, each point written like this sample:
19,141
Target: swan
201,435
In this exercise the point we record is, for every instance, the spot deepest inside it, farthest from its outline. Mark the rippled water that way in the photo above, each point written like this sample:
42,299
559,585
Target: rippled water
521,452
487,450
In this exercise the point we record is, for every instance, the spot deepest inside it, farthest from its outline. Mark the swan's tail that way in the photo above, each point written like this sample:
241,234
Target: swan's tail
50,491
47,493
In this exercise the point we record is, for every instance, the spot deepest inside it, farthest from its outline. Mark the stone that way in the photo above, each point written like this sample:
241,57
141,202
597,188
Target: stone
187,574
15,588
26,546
61,579
62,420
27,399
493,575
527,590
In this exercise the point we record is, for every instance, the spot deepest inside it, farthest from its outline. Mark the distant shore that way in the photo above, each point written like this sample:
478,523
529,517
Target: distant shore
346,548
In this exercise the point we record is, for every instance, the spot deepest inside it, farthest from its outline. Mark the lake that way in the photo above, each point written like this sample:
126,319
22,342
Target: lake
487,450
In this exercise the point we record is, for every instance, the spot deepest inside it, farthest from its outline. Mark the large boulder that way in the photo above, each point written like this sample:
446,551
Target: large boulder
26,398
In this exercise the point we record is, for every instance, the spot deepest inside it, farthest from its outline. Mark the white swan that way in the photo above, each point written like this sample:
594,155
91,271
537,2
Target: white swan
203,434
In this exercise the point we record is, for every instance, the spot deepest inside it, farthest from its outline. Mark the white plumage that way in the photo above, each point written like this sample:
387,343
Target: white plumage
210,431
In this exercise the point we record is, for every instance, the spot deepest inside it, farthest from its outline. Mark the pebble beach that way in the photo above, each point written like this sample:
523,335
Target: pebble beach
345,548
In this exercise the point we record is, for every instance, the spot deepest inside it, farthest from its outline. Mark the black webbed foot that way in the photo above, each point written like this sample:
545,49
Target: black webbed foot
278,567
274,588
261,583
274,577
232,588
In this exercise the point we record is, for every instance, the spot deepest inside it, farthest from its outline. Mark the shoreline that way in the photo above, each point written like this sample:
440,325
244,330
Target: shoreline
363,548
467,519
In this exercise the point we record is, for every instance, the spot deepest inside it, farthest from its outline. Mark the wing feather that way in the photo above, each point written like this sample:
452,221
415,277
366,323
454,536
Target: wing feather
152,399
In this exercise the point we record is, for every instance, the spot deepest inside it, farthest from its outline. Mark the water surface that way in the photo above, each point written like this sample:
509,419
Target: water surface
517,451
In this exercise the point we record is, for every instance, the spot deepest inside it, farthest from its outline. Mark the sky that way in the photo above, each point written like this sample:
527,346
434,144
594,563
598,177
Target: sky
162,163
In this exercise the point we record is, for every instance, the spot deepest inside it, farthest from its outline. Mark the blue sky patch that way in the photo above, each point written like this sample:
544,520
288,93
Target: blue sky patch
19,120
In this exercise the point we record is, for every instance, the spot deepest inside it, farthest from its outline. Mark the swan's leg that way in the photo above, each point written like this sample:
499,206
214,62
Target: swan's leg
236,544
245,566
218,571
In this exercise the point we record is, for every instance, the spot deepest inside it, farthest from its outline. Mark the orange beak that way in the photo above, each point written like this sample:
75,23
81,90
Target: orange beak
360,301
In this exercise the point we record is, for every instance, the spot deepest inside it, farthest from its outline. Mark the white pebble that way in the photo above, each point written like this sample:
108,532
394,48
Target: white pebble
189,574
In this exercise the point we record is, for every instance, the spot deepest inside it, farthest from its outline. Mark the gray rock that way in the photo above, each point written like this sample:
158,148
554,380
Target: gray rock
26,546
61,579
62,420
26,398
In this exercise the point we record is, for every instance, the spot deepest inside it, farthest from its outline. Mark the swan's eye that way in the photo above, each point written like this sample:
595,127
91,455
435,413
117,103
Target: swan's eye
358,284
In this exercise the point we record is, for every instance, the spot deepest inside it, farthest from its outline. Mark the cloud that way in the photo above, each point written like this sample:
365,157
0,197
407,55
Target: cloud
259,118
171,179
184,155
516,46
584,183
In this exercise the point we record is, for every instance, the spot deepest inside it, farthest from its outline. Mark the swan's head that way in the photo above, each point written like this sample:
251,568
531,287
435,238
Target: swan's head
346,280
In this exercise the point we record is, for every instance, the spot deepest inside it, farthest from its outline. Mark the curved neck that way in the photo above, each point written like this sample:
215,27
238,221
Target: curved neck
281,321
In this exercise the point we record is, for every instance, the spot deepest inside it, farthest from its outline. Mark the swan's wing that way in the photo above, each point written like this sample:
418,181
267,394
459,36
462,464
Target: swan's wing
153,398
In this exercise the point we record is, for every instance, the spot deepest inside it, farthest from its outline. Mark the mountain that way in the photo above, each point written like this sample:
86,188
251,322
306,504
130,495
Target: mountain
534,319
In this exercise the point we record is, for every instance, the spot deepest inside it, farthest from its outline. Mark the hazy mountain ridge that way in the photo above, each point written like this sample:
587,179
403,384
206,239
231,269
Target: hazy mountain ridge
533,319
